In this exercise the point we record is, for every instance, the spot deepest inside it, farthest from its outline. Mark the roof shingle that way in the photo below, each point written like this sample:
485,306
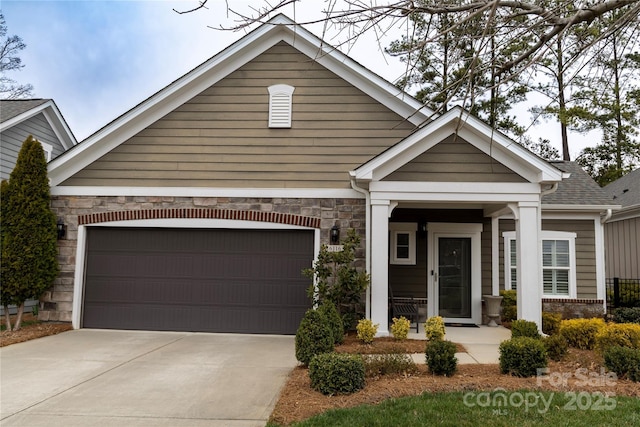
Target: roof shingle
578,189
10,108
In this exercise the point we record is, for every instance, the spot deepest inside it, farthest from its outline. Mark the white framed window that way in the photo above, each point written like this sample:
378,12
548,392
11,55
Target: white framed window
403,243
280,101
558,263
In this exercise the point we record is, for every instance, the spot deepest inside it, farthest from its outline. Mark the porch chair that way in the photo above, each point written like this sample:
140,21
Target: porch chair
404,306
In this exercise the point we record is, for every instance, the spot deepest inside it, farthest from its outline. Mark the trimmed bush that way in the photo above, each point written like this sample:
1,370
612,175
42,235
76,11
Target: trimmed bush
366,330
524,328
441,357
334,321
337,373
509,305
624,361
581,333
400,328
522,356
627,315
313,336
556,346
618,334
385,364
434,328
551,322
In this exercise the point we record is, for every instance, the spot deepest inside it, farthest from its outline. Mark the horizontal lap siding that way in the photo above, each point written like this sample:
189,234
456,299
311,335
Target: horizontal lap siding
622,243
221,137
454,160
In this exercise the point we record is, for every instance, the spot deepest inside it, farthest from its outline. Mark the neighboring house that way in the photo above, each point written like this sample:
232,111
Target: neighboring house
20,118
622,230
40,118
198,209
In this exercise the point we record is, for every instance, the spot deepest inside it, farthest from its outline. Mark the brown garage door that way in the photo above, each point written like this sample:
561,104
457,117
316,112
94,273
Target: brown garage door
207,280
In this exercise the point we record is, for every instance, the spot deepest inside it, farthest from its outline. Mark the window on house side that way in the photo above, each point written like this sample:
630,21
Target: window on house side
280,105
403,243
558,263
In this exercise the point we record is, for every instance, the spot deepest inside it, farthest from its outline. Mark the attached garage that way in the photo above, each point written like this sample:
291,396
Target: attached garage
204,280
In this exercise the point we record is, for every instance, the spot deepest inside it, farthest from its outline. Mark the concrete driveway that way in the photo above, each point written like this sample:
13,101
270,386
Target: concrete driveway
132,378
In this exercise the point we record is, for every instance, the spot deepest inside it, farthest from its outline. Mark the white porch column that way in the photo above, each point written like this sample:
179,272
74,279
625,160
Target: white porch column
380,265
529,262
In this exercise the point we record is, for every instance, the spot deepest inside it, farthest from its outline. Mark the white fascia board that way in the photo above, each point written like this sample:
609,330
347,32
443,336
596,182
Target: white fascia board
299,193
59,126
578,208
464,192
569,215
629,212
24,116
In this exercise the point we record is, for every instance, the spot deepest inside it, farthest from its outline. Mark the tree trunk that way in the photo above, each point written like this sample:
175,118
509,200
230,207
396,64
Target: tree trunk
562,104
7,317
18,323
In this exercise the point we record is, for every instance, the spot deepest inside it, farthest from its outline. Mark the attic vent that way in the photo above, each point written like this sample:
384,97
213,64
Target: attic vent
280,106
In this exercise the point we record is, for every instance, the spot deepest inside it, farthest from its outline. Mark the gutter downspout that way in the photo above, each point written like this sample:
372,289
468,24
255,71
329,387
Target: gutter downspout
606,217
553,189
367,247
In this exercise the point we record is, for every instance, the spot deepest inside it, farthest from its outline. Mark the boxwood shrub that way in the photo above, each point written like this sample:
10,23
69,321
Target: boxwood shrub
385,364
624,361
556,346
551,322
621,334
337,373
441,357
313,336
522,356
627,315
524,328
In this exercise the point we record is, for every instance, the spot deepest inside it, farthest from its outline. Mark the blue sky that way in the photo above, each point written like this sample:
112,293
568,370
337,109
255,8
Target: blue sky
99,58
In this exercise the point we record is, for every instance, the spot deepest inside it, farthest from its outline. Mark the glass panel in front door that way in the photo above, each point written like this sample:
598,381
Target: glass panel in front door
454,277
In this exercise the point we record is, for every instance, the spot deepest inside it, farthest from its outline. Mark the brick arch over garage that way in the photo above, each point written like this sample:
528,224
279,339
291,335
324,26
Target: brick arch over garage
194,213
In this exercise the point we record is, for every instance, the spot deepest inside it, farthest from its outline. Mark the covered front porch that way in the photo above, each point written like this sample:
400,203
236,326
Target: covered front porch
435,201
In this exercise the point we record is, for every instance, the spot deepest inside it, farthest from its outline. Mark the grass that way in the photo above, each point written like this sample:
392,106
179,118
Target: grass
480,409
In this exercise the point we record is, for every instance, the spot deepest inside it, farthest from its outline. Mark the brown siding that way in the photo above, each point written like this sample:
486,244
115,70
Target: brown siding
622,248
585,251
454,160
221,137
487,288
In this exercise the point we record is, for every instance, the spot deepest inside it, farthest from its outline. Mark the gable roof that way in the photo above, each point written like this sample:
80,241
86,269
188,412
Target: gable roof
482,136
278,29
14,111
578,189
625,190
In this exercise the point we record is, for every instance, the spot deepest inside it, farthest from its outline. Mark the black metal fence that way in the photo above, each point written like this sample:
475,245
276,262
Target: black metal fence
622,293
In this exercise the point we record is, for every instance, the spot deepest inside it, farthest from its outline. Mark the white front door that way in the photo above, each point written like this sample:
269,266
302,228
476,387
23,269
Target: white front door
454,272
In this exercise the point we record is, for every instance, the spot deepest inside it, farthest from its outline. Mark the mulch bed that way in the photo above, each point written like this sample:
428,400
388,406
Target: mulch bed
31,331
298,401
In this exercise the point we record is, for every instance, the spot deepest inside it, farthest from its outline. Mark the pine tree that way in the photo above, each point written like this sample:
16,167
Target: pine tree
29,253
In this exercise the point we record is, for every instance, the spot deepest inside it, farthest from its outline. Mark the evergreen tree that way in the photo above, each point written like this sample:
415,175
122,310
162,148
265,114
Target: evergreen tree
29,253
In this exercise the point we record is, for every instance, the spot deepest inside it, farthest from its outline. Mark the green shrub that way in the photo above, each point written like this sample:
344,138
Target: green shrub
400,328
334,320
385,364
524,328
627,315
337,373
624,361
522,356
556,346
441,357
434,328
551,322
366,330
313,336
618,334
509,305
581,333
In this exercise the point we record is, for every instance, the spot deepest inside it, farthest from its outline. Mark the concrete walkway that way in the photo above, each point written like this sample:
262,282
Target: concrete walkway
480,342
133,378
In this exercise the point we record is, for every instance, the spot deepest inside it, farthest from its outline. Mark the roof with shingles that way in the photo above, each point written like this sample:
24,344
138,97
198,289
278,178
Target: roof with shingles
625,190
578,189
10,108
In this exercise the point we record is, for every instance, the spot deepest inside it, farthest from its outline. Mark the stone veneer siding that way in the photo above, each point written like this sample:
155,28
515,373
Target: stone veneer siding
56,303
574,308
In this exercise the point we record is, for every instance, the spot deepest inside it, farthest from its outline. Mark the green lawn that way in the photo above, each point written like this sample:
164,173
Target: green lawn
522,408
